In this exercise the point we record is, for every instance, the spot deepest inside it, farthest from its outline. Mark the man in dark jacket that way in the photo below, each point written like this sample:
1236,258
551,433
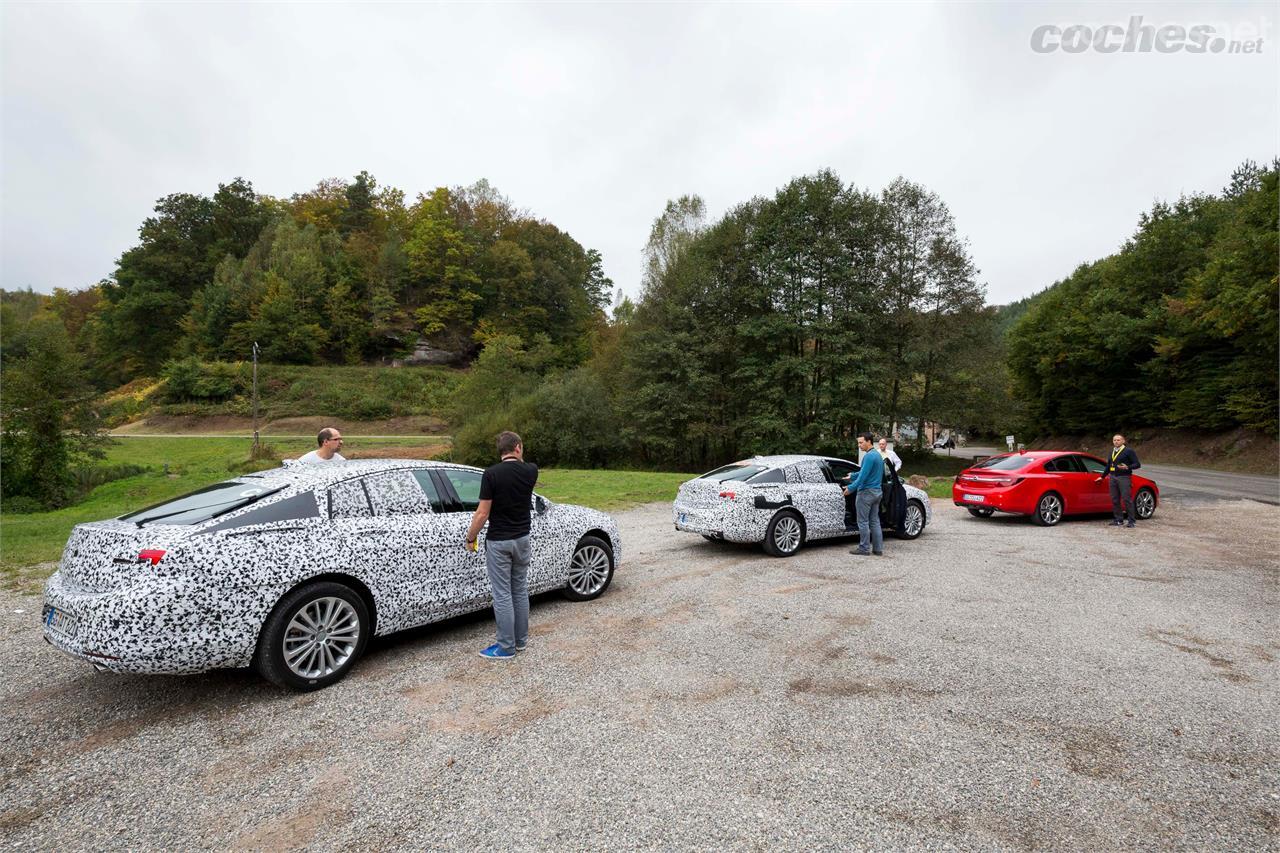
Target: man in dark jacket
1120,467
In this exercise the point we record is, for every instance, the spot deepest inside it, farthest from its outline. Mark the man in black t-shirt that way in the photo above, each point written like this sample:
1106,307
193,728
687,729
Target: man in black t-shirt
506,498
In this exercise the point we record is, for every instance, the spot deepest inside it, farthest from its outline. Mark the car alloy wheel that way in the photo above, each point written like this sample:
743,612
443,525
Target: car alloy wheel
321,637
1144,504
784,535
589,570
1049,510
913,522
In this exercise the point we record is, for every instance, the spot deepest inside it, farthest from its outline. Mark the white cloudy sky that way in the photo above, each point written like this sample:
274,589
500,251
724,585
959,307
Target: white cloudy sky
592,116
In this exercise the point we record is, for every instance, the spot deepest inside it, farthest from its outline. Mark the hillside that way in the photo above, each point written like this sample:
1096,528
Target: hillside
292,399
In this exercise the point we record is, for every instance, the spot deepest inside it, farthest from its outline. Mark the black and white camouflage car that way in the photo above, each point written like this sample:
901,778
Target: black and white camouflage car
292,570
784,501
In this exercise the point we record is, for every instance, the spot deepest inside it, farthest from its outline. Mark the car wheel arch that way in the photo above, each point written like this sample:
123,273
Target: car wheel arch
357,586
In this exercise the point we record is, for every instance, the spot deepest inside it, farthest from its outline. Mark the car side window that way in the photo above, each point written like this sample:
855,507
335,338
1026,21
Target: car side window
297,508
348,500
1051,466
773,475
396,493
428,485
467,485
1093,466
841,470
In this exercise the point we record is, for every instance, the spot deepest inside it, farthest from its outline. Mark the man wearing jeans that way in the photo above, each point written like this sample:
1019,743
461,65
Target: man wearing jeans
506,495
866,490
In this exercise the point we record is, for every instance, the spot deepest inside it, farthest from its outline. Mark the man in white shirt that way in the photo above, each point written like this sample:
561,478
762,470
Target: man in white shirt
890,455
329,440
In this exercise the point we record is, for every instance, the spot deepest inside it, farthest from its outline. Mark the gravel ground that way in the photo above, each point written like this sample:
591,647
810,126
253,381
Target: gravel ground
990,685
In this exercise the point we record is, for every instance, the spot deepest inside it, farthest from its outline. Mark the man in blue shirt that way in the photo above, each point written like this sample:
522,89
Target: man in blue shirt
866,490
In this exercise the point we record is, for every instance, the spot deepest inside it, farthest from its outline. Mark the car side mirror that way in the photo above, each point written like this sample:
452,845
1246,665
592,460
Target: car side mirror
539,504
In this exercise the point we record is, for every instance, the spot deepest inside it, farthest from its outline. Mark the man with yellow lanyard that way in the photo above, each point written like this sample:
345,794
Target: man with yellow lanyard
1120,466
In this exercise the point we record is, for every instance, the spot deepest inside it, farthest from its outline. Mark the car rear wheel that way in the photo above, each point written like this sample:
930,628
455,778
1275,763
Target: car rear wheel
1144,503
313,637
1048,509
912,522
590,569
784,536
981,511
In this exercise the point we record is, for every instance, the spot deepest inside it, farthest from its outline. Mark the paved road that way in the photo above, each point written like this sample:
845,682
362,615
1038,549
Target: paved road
991,685
1188,484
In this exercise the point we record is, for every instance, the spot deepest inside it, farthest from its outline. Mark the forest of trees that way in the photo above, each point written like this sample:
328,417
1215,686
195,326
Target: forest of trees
790,323
1179,328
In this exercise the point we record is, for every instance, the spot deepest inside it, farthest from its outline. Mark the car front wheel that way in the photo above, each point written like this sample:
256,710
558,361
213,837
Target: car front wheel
1144,503
1048,510
590,569
912,522
313,637
981,511
784,536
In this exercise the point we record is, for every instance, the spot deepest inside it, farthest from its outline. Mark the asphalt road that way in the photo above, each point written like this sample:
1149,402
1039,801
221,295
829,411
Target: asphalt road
1176,481
991,685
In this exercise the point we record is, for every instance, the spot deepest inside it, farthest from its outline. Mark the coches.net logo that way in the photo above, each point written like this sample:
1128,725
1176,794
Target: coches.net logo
1138,37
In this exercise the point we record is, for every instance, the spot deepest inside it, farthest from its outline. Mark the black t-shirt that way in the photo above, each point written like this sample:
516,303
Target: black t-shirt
510,486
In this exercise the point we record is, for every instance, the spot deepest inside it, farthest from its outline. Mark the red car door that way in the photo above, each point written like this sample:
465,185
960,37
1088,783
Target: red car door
1069,479
1098,492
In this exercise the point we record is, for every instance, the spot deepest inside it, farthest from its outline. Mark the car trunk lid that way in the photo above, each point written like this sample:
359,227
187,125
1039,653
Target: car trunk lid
105,555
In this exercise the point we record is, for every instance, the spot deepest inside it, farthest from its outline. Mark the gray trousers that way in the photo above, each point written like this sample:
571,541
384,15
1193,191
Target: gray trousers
1122,496
868,504
508,563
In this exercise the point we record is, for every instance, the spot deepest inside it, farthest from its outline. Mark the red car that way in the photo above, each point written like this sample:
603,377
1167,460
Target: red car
1046,485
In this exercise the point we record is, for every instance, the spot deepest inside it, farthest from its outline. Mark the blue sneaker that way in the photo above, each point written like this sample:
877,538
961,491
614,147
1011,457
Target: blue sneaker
497,652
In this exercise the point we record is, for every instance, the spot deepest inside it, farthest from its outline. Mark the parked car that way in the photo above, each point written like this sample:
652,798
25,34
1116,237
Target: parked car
1046,485
292,570
947,442
784,501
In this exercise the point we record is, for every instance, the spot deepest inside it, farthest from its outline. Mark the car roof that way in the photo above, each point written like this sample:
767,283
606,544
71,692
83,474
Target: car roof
783,460
308,475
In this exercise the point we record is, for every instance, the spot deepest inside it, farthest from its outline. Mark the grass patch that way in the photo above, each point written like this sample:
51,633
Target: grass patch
609,490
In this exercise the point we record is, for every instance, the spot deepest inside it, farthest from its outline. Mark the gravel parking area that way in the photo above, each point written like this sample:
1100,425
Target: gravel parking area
990,685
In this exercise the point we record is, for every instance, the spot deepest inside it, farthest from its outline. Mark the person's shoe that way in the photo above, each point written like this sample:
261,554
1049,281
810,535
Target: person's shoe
1131,524
1115,522
859,552
878,553
520,647
497,652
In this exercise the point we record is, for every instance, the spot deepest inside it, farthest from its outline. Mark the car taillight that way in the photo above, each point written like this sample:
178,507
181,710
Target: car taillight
729,495
1009,481
151,555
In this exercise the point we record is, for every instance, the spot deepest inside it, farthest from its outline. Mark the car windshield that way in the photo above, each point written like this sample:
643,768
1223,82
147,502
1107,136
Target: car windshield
736,471
203,504
1004,463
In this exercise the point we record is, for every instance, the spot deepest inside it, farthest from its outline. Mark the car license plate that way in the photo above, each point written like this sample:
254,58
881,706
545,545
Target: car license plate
61,621
976,498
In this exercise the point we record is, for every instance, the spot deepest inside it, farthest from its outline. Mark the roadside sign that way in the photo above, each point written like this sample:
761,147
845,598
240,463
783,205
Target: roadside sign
1008,439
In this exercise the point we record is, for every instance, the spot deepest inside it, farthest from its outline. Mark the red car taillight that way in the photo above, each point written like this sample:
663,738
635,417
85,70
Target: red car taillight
1008,481
729,495
151,555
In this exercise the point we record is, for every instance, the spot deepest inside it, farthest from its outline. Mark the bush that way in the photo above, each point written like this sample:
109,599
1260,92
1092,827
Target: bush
190,379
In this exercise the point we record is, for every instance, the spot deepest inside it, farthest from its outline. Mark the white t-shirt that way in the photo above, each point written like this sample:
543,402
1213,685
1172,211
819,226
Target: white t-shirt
893,457
314,456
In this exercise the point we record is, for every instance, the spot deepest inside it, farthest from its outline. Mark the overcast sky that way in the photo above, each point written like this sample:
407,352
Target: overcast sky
592,116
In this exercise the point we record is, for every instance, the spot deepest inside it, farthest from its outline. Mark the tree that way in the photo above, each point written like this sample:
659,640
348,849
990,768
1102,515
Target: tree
49,425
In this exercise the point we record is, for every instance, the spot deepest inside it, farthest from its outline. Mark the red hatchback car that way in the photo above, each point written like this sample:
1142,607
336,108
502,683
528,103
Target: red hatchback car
1046,485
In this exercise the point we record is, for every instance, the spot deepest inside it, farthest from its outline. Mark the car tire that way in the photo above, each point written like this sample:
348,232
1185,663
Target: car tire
313,637
981,511
590,569
1048,509
710,538
785,534
1144,504
912,522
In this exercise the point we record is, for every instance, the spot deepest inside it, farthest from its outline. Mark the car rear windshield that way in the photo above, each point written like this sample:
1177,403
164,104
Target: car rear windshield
1004,463
203,504
737,471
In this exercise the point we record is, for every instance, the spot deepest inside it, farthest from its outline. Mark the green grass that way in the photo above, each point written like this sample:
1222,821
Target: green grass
609,490
176,466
